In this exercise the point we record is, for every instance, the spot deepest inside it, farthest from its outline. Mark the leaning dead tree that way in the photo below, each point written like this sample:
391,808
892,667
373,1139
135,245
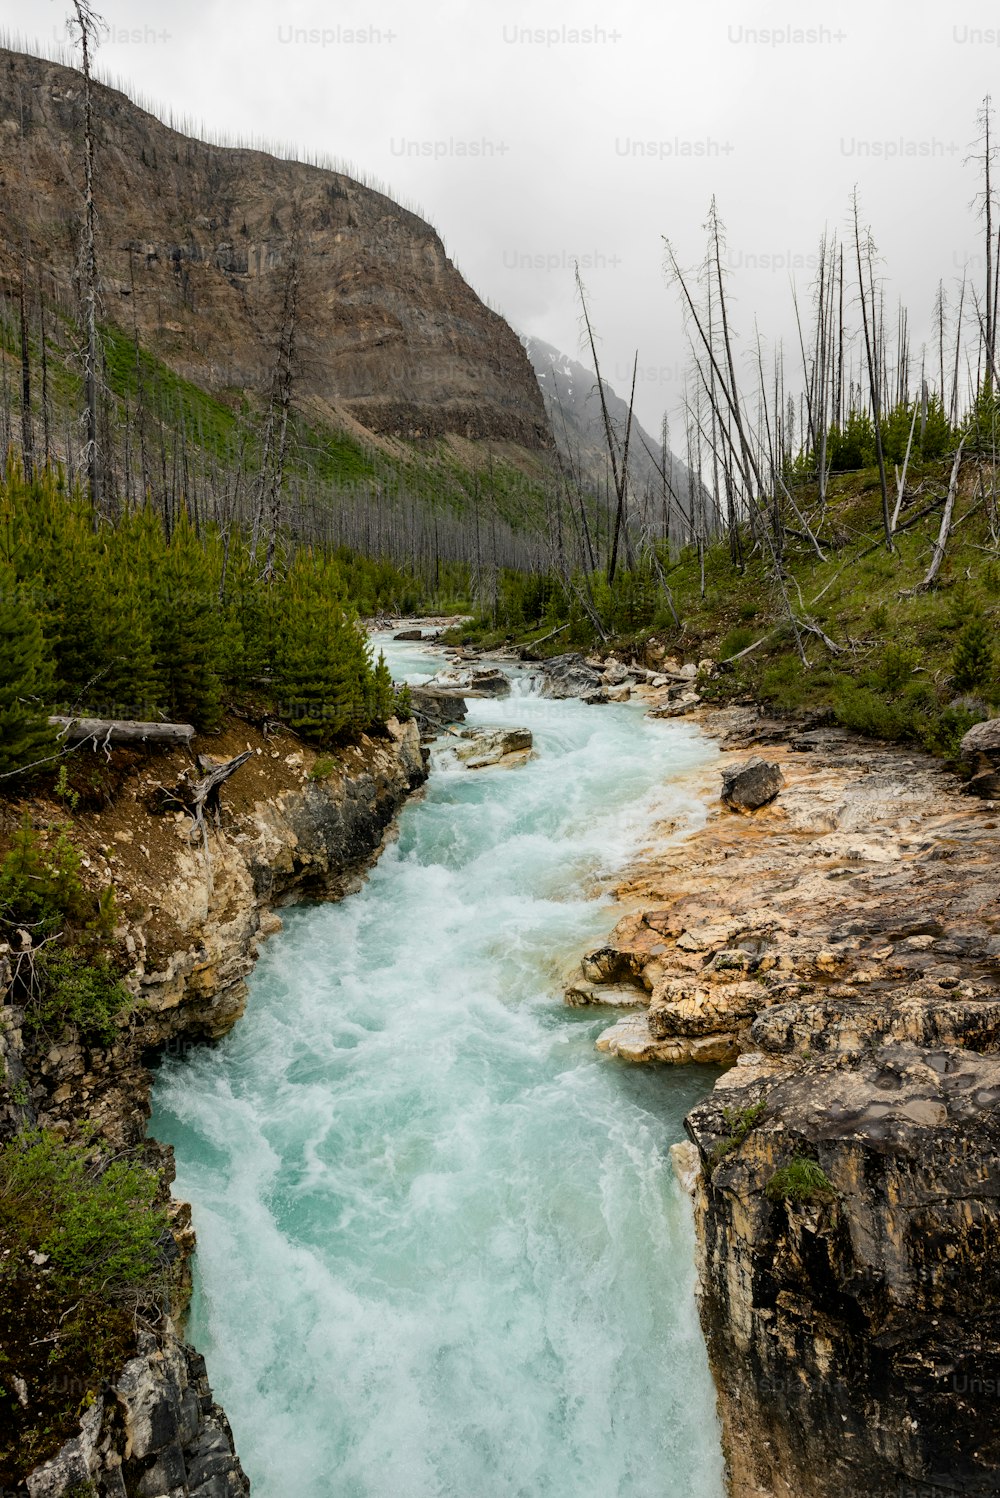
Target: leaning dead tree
619,469
946,518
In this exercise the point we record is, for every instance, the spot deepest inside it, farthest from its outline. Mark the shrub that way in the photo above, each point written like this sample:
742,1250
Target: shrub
40,887
801,1180
973,664
81,1246
736,640
943,732
96,1222
323,768
738,1123
89,995
868,713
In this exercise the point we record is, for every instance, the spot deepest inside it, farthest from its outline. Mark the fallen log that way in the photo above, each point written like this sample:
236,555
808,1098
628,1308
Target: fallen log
105,732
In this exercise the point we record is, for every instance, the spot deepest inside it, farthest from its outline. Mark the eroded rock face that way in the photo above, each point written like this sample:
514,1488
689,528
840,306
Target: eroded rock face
842,946
197,940
157,1434
855,1333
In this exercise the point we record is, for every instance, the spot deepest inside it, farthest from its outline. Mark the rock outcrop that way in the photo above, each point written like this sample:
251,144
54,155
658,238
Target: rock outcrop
471,681
479,748
842,946
849,1261
192,913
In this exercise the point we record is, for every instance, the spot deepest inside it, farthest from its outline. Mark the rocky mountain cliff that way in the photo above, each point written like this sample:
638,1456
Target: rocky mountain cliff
573,405
195,246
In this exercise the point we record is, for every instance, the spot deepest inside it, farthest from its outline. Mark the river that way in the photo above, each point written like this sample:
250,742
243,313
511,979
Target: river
441,1250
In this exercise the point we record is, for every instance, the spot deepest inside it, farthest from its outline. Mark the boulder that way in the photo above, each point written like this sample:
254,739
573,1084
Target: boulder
982,743
473,682
615,673
569,676
435,707
676,708
409,634
752,784
479,747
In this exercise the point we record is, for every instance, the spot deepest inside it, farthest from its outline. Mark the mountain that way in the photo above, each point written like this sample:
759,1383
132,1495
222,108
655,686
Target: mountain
196,245
573,405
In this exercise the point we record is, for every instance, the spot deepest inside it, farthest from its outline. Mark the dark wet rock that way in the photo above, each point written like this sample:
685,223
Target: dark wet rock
435,708
409,634
751,785
569,676
986,784
850,1318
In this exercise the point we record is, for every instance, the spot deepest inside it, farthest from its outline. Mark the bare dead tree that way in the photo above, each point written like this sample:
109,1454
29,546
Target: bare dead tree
946,522
985,156
870,327
27,429
87,26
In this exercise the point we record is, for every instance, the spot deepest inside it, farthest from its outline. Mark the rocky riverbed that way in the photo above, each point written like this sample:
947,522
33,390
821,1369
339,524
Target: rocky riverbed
841,945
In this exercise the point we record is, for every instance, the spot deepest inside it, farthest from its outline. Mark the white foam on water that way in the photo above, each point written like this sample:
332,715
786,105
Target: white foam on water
441,1251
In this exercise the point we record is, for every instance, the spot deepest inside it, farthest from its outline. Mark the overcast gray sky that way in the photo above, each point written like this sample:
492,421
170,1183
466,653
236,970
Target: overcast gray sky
531,135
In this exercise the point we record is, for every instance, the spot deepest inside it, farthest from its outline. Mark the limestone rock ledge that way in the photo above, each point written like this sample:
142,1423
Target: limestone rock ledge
854,1329
294,826
842,947
194,913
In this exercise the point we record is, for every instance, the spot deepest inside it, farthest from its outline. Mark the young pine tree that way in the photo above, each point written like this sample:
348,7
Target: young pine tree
25,682
322,671
130,686
382,698
186,629
974,661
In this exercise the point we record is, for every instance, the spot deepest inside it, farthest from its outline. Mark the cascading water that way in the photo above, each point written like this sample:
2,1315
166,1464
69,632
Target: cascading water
441,1250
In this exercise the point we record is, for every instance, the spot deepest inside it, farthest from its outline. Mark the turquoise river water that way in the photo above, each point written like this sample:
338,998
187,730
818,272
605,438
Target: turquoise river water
441,1250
